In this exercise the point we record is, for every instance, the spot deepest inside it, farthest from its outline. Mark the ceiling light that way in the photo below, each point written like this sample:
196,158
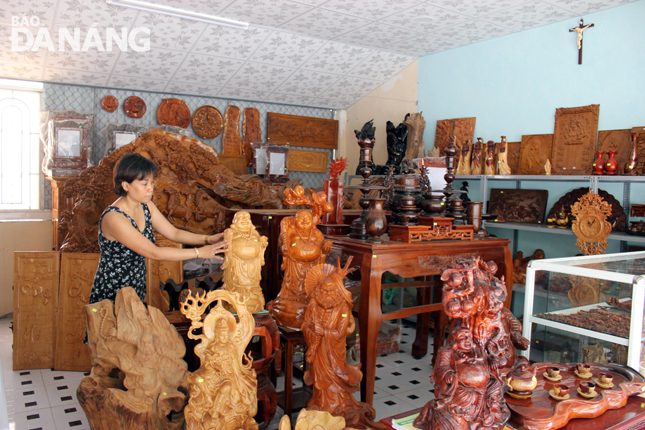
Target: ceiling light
179,13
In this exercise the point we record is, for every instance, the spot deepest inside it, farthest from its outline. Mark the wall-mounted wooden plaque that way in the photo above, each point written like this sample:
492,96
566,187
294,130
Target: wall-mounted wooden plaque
236,163
308,161
513,149
35,299
251,132
231,139
76,277
639,132
462,128
526,206
616,140
574,140
303,131
534,151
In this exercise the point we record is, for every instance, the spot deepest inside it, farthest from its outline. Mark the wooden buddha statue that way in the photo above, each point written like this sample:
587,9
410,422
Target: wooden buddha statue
244,261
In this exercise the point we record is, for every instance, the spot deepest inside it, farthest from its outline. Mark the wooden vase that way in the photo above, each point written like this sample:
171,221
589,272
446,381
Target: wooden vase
611,166
376,223
599,164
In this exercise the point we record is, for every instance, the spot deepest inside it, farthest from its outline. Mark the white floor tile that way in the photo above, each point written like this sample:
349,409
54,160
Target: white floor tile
51,377
62,394
19,379
417,399
390,405
70,417
31,420
27,399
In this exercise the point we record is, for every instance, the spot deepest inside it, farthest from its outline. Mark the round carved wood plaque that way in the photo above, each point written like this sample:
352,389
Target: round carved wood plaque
109,103
134,107
173,112
208,122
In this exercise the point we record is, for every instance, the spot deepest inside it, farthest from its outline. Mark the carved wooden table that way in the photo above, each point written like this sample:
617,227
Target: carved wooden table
408,260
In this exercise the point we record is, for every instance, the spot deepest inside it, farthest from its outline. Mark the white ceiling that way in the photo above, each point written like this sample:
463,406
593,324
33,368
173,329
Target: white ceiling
327,53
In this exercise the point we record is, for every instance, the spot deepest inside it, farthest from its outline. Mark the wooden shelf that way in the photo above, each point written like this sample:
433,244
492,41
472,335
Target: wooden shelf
566,231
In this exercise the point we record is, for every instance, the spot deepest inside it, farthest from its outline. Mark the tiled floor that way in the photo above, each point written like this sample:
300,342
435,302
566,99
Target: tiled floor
46,400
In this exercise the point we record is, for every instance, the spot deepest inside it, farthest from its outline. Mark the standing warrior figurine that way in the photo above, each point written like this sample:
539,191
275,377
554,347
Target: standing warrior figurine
502,159
476,158
328,321
303,247
490,168
244,261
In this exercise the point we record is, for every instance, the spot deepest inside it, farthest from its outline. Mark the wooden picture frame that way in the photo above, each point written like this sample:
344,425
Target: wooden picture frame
535,150
67,142
574,140
260,158
277,163
122,138
523,206
303,131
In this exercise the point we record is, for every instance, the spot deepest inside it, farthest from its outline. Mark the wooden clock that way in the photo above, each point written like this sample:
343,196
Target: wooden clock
590,224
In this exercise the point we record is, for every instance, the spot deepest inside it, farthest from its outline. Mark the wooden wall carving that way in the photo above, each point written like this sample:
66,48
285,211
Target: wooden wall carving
231,139
35,299
208,122
193,189
639,132
513,149
574,140
535,151
308,161
462,128
76,278
616,140
304,131
251,133
618,219
138,378
526,206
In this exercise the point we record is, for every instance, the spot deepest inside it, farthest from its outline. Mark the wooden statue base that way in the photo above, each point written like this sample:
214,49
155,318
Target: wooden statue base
419,233
543,412
334,229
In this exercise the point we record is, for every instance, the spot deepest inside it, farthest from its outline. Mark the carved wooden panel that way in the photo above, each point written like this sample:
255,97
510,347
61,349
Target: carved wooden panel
35,298
574,140
76,278
251,132
304,131
526,206
535,150
639,132
616,140
161,271
513,149
462,128
231,140
307,161
236,163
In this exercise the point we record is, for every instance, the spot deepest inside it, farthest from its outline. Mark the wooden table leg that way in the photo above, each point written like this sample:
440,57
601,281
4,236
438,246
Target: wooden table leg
369,323
420,345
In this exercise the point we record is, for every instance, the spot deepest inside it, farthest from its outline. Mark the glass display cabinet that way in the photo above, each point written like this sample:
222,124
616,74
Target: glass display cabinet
587,308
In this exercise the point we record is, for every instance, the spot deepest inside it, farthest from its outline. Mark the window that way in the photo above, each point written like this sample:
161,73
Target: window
20,177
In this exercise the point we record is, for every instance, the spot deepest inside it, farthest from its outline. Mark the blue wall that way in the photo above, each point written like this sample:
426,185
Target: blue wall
513,84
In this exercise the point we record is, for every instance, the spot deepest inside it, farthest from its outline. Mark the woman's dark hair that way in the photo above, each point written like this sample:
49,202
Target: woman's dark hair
131,167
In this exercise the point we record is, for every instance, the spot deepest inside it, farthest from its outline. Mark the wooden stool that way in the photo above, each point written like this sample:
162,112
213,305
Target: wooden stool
290,338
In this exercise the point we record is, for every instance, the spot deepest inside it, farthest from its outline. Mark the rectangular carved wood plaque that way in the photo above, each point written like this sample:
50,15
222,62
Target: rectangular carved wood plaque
76,277
616,140
35,299
574,140
462,128
308,161
527,206
513,149
303,131
534,151
236,163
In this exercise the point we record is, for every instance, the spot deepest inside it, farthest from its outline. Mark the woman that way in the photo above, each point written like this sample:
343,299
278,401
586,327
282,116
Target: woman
126,238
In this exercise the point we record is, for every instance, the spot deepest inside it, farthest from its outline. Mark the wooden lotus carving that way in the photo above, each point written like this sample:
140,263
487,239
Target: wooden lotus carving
138,369
467,379
223,391
208,122
327,322
574,140
251,132
191,182
173,112
244,260
590,224
303,247
231,140
535,151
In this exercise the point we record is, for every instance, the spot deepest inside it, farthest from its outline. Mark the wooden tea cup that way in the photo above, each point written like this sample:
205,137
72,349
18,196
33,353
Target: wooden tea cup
583,368
553,372
605,378
587,387
560,390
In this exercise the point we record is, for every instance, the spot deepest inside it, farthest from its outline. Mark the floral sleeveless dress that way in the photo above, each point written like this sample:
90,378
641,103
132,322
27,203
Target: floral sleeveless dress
119,266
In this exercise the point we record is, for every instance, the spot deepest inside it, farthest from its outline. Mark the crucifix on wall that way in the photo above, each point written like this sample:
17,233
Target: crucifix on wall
580,29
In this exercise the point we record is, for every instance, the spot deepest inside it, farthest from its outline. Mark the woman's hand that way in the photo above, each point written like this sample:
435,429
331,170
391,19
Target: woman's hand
214,238
211,251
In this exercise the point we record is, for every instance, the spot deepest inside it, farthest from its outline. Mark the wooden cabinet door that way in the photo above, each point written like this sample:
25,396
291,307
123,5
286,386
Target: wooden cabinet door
35,301
76,277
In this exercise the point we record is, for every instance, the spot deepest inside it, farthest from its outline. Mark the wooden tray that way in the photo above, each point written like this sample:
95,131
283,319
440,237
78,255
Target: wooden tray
541,412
